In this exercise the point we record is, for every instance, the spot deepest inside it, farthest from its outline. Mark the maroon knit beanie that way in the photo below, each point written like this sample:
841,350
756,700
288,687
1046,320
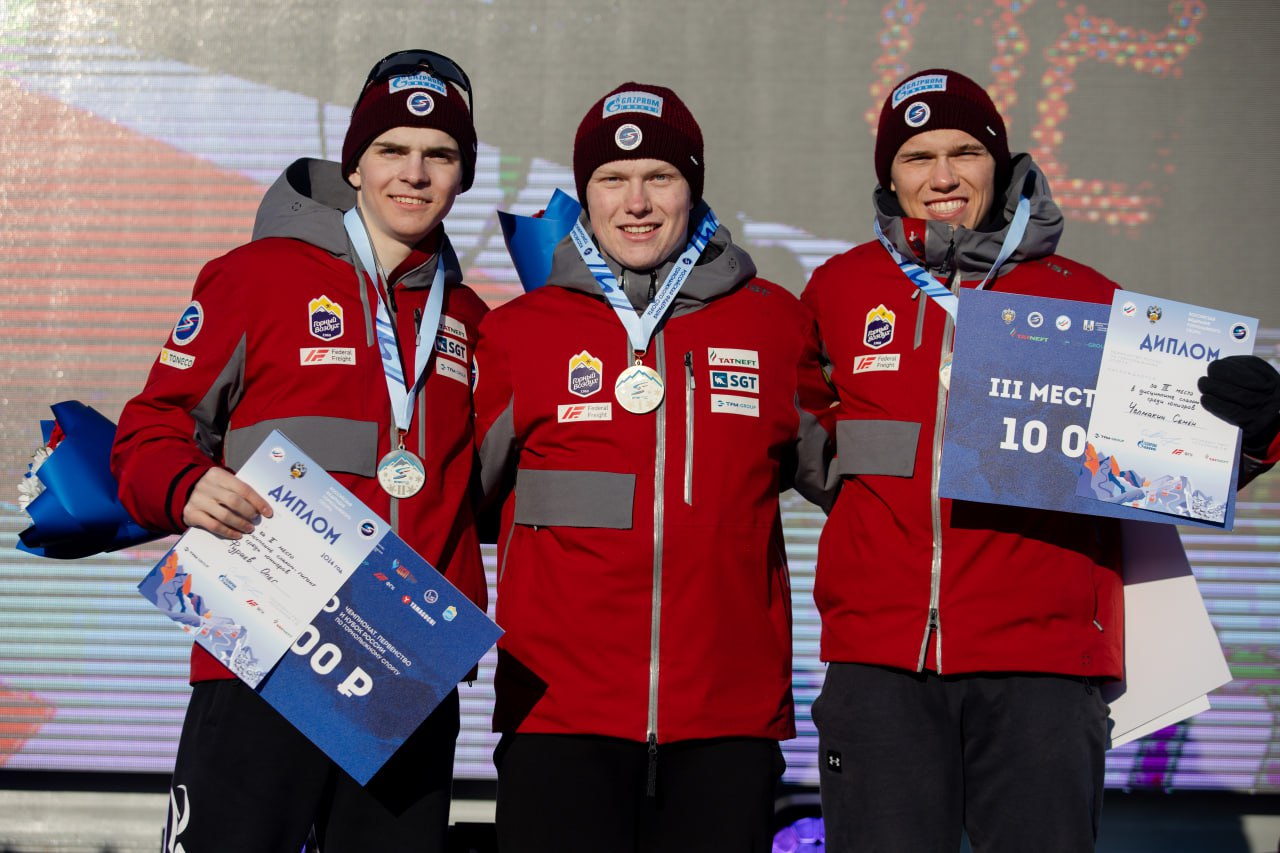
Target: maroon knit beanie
416,99
939,99
637,122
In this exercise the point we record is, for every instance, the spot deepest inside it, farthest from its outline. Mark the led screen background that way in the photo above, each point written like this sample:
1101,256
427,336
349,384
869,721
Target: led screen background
138,138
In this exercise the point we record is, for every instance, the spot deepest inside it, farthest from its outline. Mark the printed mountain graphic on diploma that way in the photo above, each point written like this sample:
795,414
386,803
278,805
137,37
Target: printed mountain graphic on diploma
168,586
1104,478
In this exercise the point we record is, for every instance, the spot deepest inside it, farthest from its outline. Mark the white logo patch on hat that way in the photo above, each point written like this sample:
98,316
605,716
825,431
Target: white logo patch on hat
628,137
917,114
633,102
420,104
421,80
918,86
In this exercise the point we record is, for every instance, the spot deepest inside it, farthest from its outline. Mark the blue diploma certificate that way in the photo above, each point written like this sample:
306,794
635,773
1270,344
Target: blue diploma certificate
325,611
1023,384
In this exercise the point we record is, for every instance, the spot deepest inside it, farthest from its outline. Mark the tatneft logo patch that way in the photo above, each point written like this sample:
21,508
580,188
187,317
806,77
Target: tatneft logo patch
453,370
918,86
732,404
724,357
453,326
180,360
733,380
633,102
327,355
421,80
874,363
584,412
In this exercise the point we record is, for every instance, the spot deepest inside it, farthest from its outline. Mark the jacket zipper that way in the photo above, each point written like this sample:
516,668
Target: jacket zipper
933,627
688,429
655,617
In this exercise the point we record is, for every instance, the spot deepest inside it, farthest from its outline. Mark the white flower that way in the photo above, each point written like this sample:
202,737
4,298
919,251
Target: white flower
30,487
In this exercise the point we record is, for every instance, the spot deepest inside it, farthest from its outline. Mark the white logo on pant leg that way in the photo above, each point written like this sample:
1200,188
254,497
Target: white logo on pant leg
179,817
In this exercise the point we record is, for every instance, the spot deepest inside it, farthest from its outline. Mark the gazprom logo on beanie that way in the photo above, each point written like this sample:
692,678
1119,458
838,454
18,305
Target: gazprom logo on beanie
918,86
633,102
421,80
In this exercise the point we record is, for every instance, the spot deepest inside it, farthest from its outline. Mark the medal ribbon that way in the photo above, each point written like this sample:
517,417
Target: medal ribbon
640,328
402,398
936,290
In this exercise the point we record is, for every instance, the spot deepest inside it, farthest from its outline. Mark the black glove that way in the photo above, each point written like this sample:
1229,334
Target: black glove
1244,390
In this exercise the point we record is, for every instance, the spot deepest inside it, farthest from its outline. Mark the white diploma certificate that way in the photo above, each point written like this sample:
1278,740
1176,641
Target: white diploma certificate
1151,445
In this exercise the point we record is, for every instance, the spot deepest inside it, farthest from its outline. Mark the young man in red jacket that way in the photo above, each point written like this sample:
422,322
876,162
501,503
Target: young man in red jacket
966,641
347,260
638,416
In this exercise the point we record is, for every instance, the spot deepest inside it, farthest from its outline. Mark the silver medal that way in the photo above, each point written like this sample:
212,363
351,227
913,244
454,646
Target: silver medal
401,474
639,389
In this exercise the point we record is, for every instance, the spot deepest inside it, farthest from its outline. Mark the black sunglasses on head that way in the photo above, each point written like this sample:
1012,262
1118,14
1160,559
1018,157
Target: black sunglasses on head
413,61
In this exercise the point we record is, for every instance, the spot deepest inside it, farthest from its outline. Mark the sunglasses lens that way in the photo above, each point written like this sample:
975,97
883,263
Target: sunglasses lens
410,60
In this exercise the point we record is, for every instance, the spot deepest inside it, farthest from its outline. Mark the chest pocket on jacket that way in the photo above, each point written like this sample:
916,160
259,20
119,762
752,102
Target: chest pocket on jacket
574,498
876,447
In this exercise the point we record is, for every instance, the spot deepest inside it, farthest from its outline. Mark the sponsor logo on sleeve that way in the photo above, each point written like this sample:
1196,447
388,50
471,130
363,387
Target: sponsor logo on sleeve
453,370
189,324
180,360
584,412
325,317
733,380
727,357
327,355
878,331
876,363
586,374
732,404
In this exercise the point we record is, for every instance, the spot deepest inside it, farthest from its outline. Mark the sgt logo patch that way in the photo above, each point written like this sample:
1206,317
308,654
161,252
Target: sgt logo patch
586,374
879,328
325,317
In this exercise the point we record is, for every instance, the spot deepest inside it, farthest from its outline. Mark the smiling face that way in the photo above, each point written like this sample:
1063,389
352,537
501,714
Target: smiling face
945,175
639,211
406,182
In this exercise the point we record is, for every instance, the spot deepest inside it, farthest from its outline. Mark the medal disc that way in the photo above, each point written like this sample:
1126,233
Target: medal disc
401,474
639,389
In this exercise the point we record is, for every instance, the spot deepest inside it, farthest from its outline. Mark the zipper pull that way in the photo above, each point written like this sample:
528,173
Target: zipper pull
933,618
651,779
688,369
